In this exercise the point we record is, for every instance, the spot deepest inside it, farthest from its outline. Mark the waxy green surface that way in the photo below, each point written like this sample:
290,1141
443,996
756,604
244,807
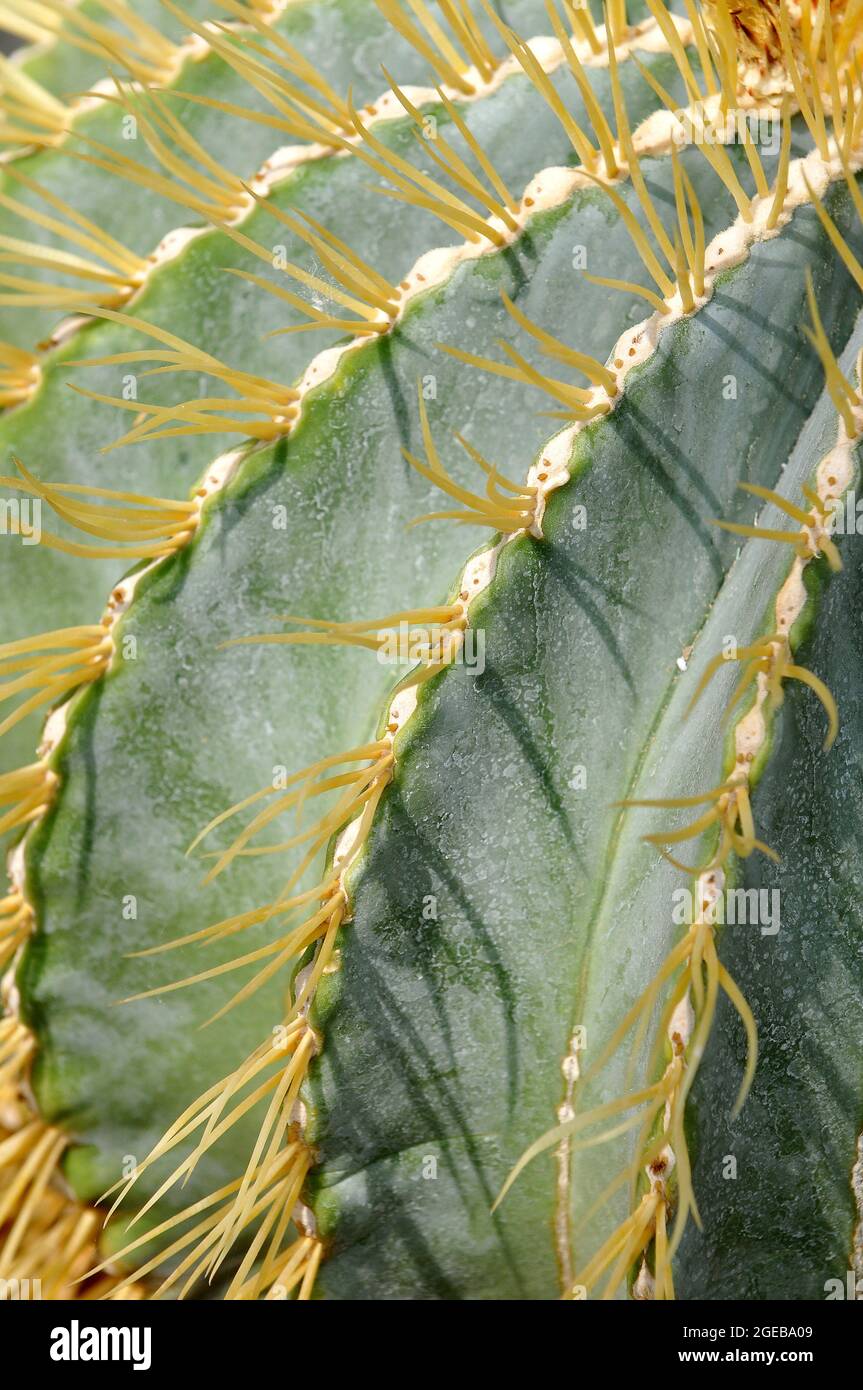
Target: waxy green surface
549,912
134,792
444,1038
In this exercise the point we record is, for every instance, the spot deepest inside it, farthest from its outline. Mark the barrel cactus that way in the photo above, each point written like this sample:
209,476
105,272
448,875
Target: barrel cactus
400,909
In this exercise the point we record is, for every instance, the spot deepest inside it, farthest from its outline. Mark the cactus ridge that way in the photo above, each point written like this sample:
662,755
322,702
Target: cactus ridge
152,528
380,305
222,198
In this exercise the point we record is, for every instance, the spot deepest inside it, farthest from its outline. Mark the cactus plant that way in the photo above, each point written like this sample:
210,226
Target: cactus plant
431,910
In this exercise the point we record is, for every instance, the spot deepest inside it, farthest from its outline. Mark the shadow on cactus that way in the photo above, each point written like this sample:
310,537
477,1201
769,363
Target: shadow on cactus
425,911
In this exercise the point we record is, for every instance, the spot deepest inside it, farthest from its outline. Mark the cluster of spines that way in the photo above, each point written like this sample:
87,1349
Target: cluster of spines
189,175
115,271
278,1261
305,105
29,114
20,374
46,1241
143,50
675,263
185,172
48,669
135,526
265,1199
51,666
16,921
25,794
654,1111
201,184
359,287
507,507
376,303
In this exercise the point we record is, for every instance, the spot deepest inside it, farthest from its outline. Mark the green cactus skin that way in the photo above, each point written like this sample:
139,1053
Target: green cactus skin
502,911
192,296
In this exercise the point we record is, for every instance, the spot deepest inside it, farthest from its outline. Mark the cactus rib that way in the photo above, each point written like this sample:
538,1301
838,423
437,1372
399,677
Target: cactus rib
276,168
261,1204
